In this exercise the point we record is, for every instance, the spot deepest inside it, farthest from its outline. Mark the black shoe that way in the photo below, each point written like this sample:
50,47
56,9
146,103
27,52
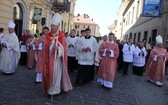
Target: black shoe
84,82
71,71
103,86
159,86
37,82
123,75
166,93
108,89
7,73
50,96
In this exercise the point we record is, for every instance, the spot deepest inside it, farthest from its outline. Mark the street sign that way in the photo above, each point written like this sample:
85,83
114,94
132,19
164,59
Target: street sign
151,8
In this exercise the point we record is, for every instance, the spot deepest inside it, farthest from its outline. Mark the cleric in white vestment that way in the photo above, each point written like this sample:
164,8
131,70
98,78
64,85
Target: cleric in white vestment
139,59
10,51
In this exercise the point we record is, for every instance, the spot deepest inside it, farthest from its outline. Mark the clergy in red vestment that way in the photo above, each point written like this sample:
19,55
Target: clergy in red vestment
109,52
155,66
55,75
30,44
40,54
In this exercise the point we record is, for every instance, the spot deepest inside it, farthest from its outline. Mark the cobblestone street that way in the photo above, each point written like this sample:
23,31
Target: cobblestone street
20,89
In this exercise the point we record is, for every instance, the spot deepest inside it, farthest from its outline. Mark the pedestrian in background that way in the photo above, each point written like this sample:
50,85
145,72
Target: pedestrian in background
97,56
77,44
1,36
1,33
26,35
10,54
148,48
120,57
72,40
30,45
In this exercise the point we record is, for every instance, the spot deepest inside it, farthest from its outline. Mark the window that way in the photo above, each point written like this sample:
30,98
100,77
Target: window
145,35
154,33
17,12
134,37
130,36
129,19
62,25
76,26
65,27
132,15
137,12
139,36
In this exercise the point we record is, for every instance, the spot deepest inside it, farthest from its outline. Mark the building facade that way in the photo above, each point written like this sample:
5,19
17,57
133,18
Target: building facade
131,23
83,21
113,28
68,18
23,13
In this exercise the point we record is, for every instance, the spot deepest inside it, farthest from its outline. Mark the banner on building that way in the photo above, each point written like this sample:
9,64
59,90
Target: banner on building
151,8
37,14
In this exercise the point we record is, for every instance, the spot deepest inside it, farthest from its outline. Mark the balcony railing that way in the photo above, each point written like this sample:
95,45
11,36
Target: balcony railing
61,5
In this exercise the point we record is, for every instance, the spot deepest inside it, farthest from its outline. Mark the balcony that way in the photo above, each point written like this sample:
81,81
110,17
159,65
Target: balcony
60,5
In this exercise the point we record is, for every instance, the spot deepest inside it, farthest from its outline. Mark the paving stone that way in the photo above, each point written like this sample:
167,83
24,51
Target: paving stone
19,89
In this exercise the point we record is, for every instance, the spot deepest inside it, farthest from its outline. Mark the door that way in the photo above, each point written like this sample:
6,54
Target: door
18,28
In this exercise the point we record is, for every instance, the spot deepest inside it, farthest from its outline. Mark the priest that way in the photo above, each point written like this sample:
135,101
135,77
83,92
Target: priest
87,47
55,74
155,67
10,54
109,52
139,56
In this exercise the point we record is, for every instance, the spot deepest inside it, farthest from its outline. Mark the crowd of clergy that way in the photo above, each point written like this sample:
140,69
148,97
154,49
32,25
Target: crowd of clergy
54,56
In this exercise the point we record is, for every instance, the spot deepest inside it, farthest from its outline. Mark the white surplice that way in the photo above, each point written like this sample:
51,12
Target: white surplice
87,58
72,50
139,59
128,54
10,56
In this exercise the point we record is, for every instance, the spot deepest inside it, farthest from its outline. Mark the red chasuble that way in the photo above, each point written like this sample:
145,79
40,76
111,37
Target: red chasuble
49,64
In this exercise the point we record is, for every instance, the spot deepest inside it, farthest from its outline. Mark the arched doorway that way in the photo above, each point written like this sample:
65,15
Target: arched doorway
18,19
20,16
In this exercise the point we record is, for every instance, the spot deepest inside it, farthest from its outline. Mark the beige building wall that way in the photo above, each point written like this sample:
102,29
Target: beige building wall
120,20
68,18
131,14
27,6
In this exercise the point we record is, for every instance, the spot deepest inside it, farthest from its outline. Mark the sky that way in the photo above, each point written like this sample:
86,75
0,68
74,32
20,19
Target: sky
103,12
